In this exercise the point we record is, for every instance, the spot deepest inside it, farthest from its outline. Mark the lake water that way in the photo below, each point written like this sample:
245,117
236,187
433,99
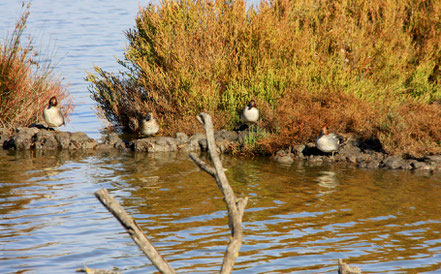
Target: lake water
300,218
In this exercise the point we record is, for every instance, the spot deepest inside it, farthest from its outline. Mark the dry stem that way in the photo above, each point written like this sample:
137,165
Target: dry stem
235,206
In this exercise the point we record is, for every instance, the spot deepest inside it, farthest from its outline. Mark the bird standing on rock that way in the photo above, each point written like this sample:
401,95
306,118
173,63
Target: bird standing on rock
52,114
328,141
149,125
250,113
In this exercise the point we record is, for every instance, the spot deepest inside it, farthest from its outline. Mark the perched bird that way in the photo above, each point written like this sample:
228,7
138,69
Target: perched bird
328,141
52,114
250,113
149,125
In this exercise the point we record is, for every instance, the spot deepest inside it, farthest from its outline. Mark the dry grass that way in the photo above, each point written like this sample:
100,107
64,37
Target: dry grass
359,66
26,81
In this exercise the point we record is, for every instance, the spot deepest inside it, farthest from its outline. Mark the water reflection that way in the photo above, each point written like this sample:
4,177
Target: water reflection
299,218
328,181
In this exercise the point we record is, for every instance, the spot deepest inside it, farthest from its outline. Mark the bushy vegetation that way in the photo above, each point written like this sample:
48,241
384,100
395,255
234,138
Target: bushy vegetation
27,81
369,68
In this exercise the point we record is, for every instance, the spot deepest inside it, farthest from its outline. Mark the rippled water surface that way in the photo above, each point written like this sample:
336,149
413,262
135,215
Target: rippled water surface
299,218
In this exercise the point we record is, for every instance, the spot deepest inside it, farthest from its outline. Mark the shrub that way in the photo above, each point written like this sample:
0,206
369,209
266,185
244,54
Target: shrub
26,80
348,63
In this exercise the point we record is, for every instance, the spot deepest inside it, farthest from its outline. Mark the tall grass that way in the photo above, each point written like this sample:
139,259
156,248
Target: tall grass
364,67
27,81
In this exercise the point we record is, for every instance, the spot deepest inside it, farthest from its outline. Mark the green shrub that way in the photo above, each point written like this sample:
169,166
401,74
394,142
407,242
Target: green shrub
26,81
184,57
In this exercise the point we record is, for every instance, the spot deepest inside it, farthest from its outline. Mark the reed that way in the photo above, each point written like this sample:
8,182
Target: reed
363,67
27,80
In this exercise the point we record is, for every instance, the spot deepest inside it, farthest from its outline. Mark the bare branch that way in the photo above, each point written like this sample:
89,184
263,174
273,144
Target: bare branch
235,210
241,204
134,230
204,166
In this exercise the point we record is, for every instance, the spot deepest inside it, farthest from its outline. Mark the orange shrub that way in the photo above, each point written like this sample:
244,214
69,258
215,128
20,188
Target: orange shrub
346,63
26,84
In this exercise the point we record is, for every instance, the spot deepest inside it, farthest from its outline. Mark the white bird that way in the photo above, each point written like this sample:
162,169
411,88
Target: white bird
52,114
327,141
250,113
149,125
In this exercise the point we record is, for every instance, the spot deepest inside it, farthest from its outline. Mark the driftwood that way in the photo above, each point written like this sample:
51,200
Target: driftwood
235,206
134,230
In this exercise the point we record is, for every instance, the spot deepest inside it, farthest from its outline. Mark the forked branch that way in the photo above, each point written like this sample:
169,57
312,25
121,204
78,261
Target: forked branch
235,206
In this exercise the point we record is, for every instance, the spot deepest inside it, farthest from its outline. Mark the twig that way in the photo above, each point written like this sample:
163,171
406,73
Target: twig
134,230
235,207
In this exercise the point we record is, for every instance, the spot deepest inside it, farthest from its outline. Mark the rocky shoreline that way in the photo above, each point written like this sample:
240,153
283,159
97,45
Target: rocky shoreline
351,152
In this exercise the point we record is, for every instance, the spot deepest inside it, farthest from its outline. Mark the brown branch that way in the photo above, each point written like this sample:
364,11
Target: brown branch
134,230
235,209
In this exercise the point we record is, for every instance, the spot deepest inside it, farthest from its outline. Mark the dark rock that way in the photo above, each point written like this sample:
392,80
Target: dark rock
421,165
315,159
193,143
352,159
104,146
112,139
121,145
433,158
369,164
374,155
351,152
434,161
27,131
141,144
181,138
45,139
203,144
63,139
394,162
80,140
406,165
155,144
231,136
298,150
242,136
223,145
22,139
284,157
4,136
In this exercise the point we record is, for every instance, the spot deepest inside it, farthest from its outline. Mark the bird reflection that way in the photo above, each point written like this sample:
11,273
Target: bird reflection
327,180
